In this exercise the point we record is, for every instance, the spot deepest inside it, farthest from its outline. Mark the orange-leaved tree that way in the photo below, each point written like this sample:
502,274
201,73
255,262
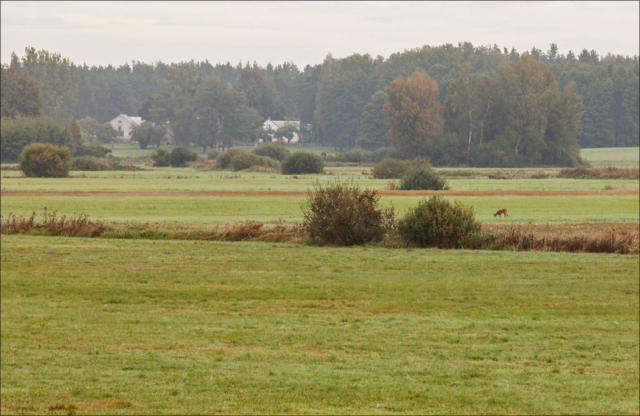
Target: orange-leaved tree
413,114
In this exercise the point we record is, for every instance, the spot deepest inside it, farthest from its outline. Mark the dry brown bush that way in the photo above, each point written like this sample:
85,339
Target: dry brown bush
610,172
242,232
52,224
517,239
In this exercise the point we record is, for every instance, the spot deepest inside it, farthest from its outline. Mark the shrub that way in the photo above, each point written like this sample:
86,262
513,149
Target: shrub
43,160
160,157
90,163
180,156
437,222
248,160
224,160
273,150
302,162
93,149
420,176
51,224
85,163
213,154
385,153
343,215
390,169
585,172
353,156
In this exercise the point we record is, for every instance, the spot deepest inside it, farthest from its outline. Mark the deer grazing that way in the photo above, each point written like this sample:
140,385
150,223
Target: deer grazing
500,212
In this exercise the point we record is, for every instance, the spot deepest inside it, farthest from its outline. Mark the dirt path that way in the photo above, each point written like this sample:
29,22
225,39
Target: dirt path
302,194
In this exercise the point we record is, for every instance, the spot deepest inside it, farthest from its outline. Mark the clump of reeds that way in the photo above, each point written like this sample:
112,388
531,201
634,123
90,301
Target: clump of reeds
515,239
610,172
50,224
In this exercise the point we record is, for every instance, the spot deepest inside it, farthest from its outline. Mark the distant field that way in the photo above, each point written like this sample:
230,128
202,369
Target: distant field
141,327
626,157
621,157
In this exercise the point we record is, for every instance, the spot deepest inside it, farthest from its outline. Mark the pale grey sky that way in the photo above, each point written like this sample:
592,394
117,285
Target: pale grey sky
101,33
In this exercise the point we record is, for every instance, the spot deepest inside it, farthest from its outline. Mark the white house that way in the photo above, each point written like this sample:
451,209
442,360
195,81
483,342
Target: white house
123,124
273,125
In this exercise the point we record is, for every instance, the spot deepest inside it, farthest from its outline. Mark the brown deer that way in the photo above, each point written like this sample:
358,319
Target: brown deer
500,212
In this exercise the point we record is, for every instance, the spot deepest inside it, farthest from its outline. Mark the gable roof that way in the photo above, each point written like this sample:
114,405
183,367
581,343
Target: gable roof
136,121
280,123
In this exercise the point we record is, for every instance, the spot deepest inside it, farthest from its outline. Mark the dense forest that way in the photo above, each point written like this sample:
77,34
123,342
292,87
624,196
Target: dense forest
496,106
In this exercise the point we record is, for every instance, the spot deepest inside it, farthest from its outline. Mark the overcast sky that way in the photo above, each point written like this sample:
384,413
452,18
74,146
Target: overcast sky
101,33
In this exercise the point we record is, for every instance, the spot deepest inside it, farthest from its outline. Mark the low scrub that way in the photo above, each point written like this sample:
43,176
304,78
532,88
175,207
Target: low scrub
302,162
385,153
43,160
224,160
343,215
248,160
390,169
179,157
436,222
92,149
50,224
585,172
516,239
273,150
90,164
421,176
160,157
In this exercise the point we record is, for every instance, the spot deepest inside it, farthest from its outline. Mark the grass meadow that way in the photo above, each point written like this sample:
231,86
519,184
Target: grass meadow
112,326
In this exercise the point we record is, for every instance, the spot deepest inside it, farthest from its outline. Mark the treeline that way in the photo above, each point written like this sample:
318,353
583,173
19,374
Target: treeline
342,99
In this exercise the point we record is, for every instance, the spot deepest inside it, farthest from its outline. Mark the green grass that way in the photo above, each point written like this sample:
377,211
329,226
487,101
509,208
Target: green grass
190,180
621,157
228,209
141,327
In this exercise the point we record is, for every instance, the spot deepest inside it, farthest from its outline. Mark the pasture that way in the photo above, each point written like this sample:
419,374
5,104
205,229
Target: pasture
622,157
109,326
140,327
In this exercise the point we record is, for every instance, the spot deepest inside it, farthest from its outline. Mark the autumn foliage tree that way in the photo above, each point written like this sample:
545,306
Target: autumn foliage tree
413,114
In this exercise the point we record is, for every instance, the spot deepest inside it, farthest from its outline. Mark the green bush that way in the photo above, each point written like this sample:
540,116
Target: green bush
213,154
390,169
247,160
352,156
160,157
435,222
180,156
273,150
343,215
90,164
420,176
302,162
92,149
384,153
85,163
43,160
224,160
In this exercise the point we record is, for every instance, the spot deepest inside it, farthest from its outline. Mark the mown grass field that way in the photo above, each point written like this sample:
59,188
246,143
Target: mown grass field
133,327
623,157
107,326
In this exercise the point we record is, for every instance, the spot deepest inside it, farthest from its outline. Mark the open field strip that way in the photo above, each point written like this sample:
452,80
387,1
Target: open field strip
621,157
226,209
189,180
135,327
